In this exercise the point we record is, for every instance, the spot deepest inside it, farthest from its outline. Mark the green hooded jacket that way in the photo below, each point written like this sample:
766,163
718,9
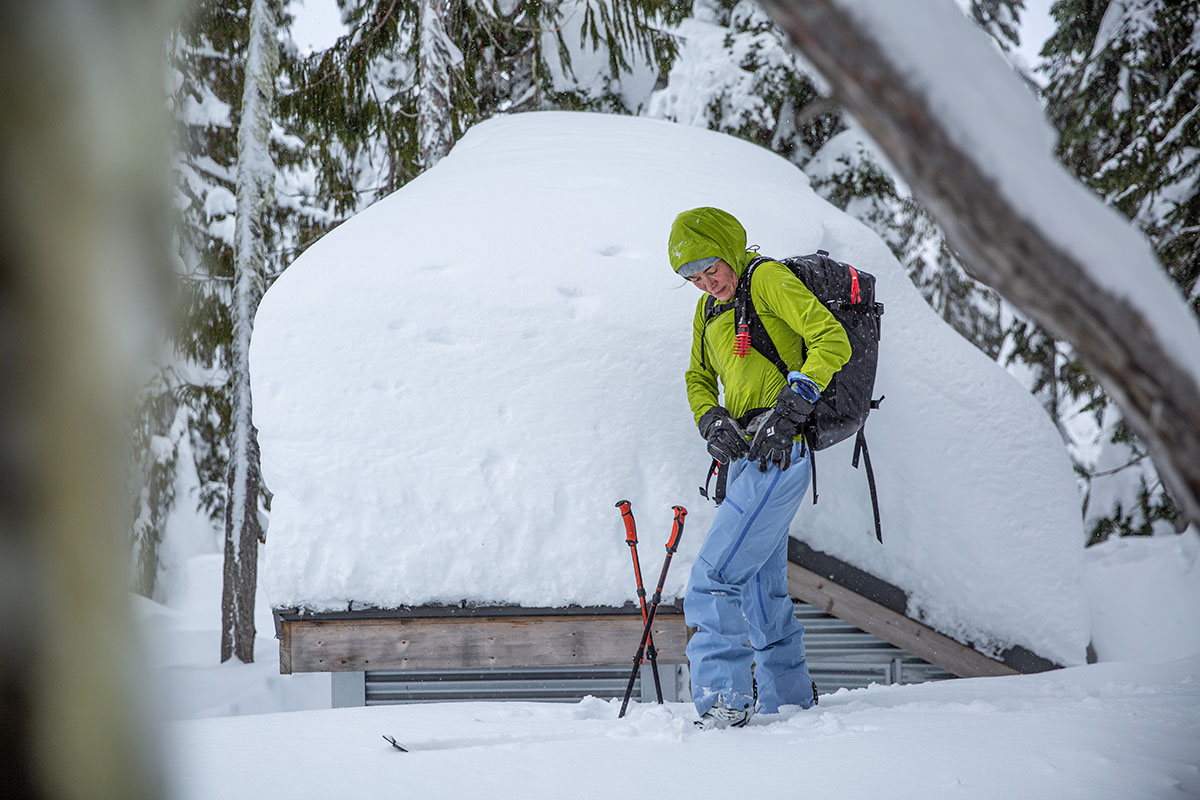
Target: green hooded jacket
807,336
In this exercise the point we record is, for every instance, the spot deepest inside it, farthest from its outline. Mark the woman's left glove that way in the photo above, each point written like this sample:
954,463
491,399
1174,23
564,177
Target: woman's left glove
772,443
726,439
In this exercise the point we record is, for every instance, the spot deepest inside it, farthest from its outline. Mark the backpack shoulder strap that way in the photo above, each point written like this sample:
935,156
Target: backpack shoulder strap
760,340
711,309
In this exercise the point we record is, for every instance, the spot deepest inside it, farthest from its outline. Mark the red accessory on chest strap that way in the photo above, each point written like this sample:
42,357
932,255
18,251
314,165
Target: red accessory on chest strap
742,340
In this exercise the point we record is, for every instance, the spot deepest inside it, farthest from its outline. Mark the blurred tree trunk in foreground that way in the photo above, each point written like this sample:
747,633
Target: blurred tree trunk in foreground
82,192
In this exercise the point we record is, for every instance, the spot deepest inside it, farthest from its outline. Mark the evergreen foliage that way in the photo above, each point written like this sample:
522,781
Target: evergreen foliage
1000,18
205,84
186,406
1123,90
358,103
736,75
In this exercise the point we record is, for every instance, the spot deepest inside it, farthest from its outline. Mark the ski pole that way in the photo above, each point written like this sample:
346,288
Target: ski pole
672,545
631,540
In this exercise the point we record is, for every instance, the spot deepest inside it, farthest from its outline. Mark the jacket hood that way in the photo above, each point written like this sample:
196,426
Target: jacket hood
706,232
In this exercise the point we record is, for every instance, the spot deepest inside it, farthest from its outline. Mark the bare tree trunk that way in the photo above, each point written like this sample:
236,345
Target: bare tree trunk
255,196
1157,394
434,104
84,202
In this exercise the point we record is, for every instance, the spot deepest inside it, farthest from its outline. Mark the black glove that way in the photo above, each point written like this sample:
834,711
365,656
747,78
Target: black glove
773,442
726,439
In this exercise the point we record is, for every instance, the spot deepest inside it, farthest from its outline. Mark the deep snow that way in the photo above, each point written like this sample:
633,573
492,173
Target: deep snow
454,387
1144,597
1113,730
182,640
1103,731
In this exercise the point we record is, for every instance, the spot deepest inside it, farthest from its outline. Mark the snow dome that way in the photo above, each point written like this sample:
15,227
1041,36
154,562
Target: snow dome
453,388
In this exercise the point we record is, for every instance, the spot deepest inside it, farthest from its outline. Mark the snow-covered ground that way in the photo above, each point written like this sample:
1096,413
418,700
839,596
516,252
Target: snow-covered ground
1104,731
1127,728
182,640
1144,596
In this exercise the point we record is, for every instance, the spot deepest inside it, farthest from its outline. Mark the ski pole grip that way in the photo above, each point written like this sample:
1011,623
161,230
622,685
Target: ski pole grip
627,518
676,528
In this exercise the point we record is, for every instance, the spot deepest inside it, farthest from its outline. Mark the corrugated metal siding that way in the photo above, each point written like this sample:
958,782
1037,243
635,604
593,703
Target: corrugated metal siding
839,655
543,684
842,656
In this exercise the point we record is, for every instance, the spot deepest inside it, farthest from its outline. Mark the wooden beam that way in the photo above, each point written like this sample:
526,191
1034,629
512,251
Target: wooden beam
905,633
315,645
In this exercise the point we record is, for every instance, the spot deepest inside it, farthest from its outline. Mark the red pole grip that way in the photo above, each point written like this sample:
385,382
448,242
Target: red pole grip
676,528
630,525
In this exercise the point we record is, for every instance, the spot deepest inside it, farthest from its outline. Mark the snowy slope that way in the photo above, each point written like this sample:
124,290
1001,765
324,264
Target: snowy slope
1106,731
1145,597
454,387
181,642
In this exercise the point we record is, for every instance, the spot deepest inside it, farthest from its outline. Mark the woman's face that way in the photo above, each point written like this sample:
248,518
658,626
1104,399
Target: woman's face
719,280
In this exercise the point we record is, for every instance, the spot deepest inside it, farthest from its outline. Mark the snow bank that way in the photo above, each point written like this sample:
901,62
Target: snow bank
1103,732
454,387
181,642
1145,597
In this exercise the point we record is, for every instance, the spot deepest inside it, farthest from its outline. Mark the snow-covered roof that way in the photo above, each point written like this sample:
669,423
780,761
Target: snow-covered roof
454,387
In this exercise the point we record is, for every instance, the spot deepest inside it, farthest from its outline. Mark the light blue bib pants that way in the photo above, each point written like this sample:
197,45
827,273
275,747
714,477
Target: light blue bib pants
737,596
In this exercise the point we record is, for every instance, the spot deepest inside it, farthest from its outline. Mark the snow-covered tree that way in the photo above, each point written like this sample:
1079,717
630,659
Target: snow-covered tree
1124,91
190,373
733,74
157,455
393,94
252,258
437,58
1000,18
1121,338
185,407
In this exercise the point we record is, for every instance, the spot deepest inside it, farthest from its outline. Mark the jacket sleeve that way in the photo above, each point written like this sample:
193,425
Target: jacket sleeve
781,292
701,380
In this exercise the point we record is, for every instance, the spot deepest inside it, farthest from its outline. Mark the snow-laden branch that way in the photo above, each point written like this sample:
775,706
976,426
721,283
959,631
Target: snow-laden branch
968,136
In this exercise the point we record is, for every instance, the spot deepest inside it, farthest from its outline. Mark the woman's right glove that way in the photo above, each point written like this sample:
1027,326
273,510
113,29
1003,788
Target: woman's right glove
726,439
773,442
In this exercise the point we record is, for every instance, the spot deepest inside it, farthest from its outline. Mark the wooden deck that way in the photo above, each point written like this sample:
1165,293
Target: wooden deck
472,638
